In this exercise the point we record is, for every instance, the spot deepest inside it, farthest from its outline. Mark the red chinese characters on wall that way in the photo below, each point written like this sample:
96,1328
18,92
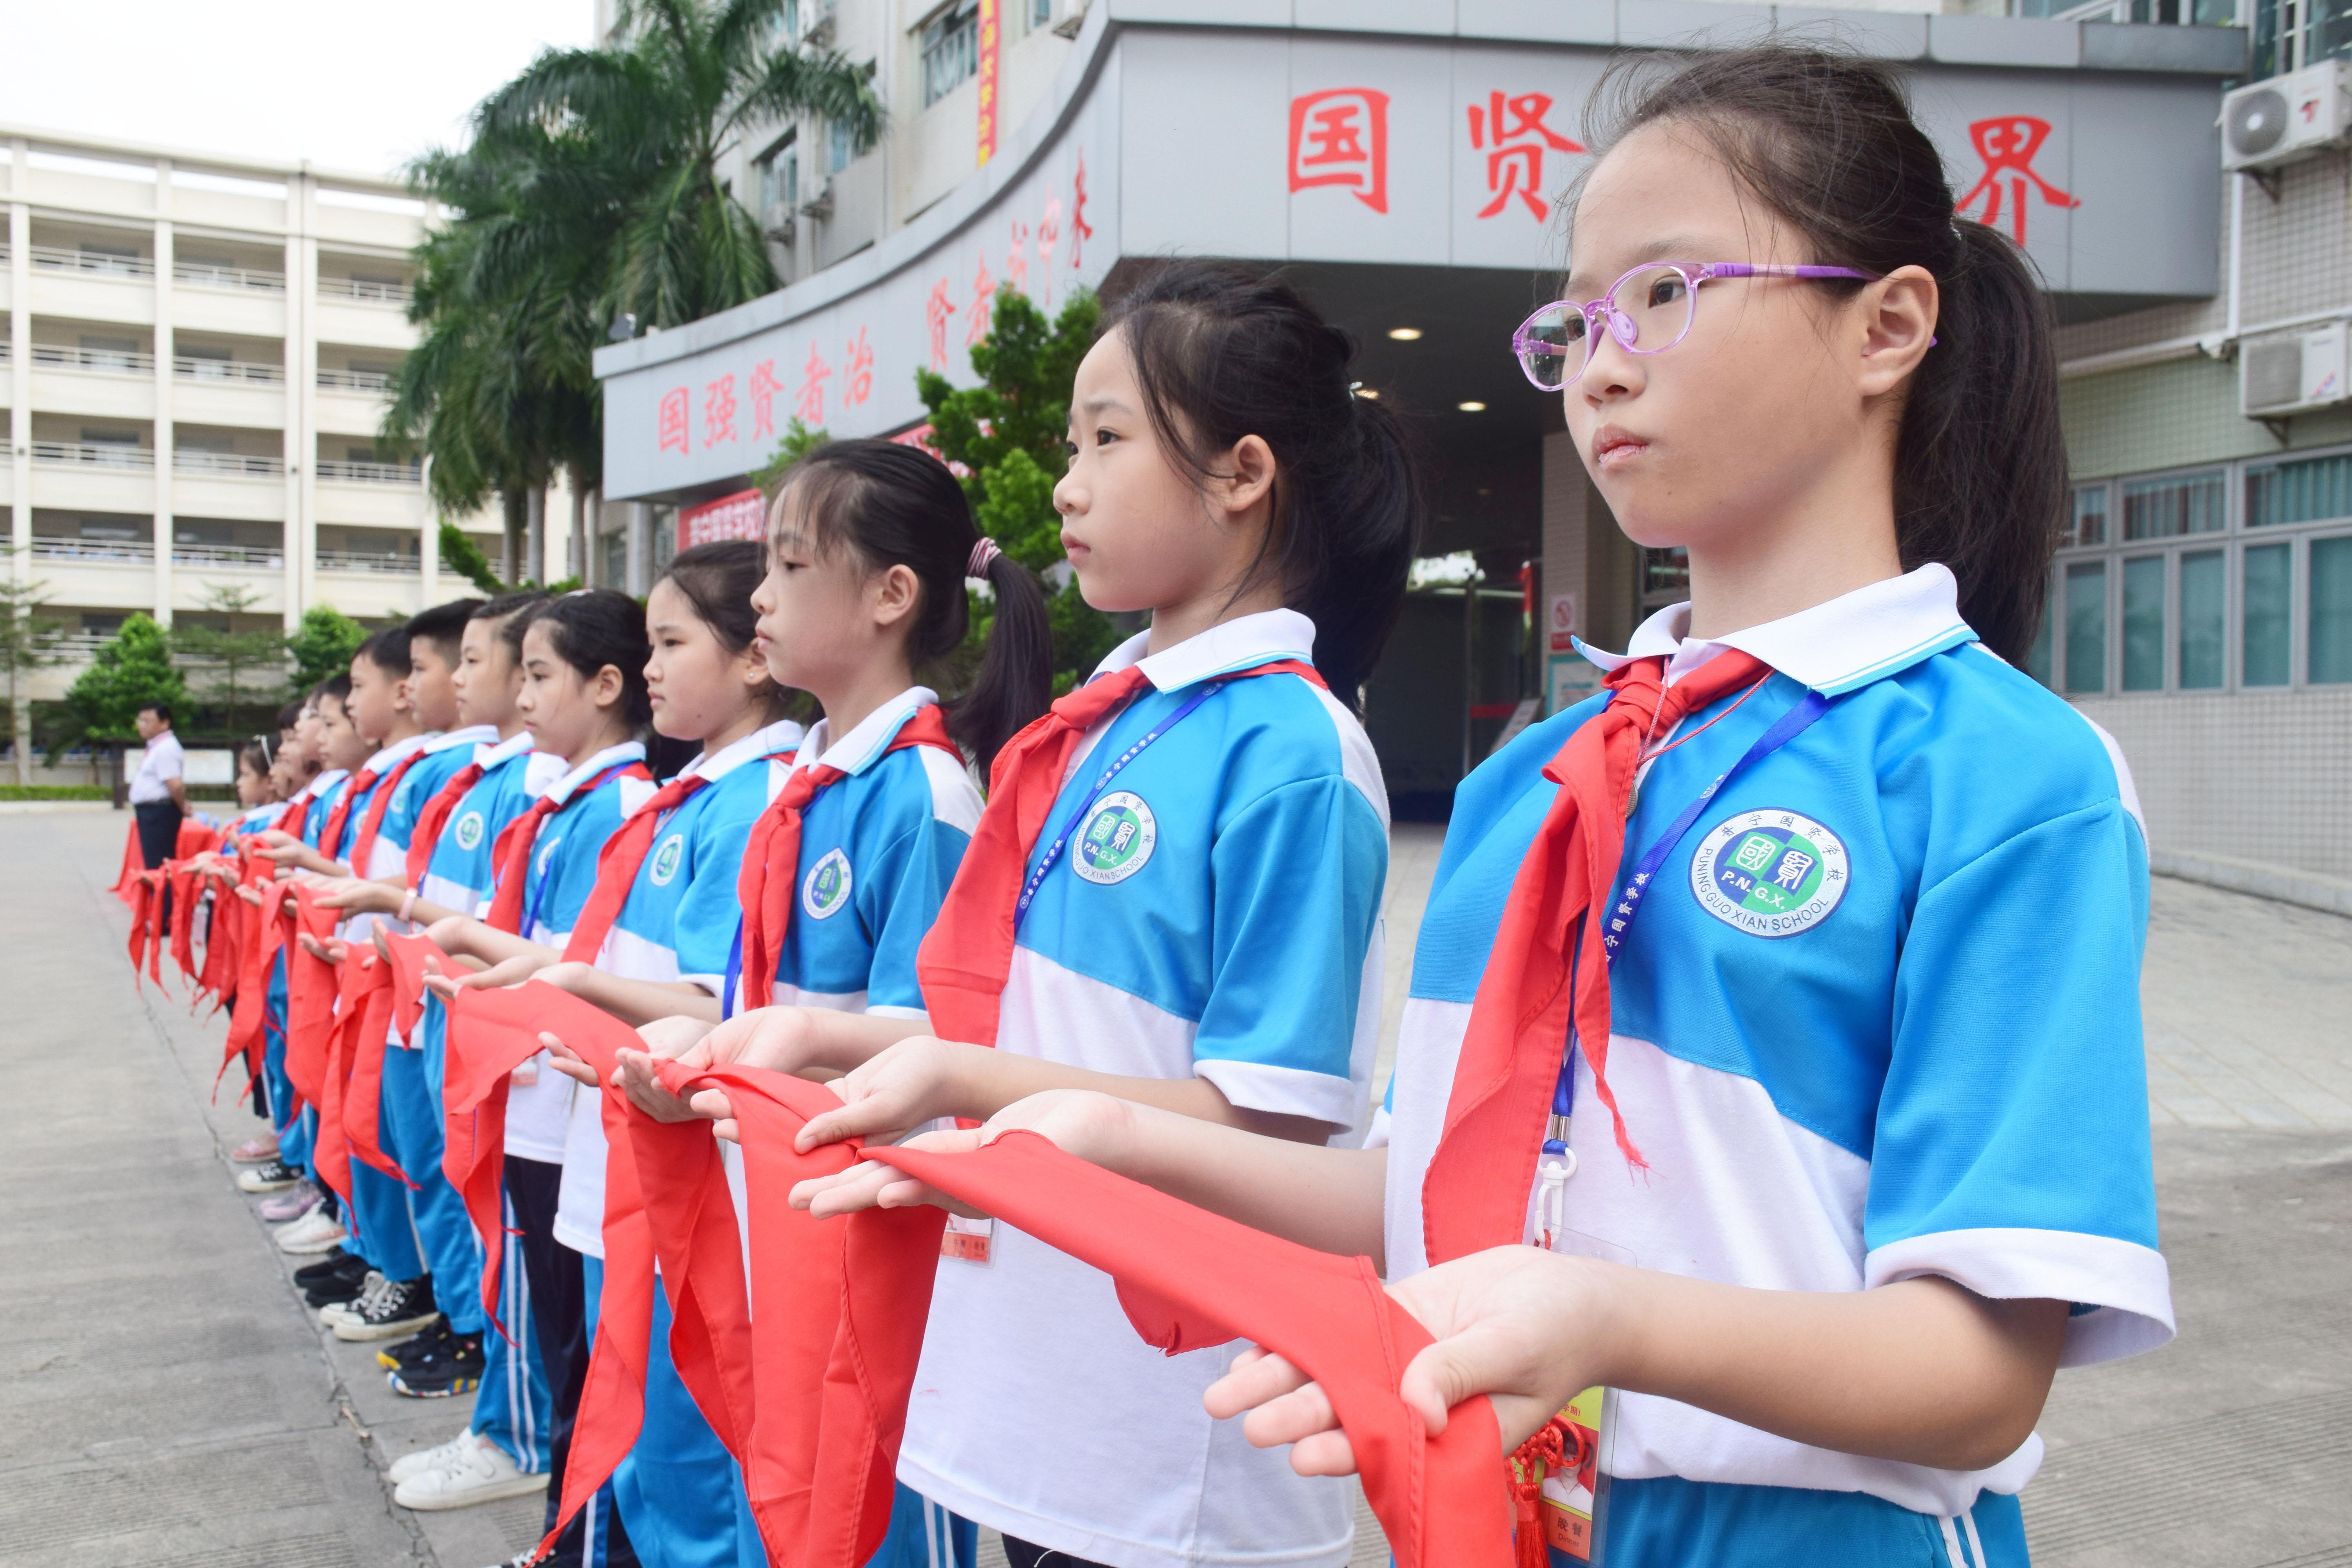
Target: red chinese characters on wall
1016,257
1512,133
810,410
2009,143
1080,229
857,384
719,412
669,423
764,387
1341,137
984,300
936,311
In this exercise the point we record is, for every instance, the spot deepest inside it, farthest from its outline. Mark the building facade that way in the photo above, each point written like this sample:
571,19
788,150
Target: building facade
1402,160
194,373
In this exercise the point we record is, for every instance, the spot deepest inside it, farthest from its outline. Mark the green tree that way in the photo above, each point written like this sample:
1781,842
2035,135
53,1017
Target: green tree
1010,431
798,442
130,670
28,641
463,556
237,656
322,646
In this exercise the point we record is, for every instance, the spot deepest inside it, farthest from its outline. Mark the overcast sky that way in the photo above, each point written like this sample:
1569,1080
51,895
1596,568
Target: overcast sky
361,88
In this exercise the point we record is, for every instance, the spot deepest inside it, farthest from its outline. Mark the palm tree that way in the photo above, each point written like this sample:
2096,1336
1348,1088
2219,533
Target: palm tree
589,193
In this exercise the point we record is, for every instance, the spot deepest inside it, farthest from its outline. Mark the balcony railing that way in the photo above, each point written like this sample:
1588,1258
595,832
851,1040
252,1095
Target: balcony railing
391,562
238,370
354,380
204,275
233,463
367,291
93,453
263,555
108,551
53,258
106,361
370,473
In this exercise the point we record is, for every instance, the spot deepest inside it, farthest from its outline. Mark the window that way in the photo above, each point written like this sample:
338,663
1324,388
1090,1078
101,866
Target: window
950,49
840,148
779,174
2168,508
2314,490
2090,516
2331,611
2265,606
2202,608
2037,657
1665,575
2144,624
1041,13
2086,627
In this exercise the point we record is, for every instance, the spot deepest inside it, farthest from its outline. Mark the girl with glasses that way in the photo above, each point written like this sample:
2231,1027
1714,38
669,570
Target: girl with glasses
1773,1056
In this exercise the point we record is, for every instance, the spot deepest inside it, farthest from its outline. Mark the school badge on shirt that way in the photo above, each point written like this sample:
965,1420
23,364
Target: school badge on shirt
1771,873
826,887
1116,840
469,830
666,858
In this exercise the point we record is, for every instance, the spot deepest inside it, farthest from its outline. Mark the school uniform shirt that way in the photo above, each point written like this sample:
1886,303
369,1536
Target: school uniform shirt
699,846
325,791
879,849
1233,936
1878,1016
358,926
561,874
462,875
445,756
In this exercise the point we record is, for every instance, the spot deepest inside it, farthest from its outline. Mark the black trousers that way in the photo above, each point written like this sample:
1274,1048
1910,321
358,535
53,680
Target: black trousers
559,1316
158,830
1020,1554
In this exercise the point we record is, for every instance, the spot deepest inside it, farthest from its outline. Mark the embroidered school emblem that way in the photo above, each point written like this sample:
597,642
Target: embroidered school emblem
667,859
1771,873
825,889
1117,841
469,830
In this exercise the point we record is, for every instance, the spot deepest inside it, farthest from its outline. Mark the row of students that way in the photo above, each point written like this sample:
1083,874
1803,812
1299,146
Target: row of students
1862,1097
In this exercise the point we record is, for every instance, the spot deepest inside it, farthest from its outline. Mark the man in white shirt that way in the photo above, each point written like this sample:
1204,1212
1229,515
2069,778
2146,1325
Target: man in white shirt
158,796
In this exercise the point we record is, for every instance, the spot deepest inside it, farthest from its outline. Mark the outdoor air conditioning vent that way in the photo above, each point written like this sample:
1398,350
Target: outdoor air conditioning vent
2293,372
781,222
2287,117
820,206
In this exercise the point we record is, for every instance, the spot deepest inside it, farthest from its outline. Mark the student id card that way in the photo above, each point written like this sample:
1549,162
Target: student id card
1573,1490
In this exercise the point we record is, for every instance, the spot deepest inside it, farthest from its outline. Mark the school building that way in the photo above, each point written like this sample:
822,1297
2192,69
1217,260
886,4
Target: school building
1401,158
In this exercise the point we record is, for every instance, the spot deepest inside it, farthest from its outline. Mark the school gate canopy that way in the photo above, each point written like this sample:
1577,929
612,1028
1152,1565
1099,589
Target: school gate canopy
1403,158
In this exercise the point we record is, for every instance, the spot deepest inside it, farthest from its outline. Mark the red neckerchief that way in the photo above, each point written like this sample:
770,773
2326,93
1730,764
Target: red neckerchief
1474,1192
772,856
512,853
967,955
812,1397
330,838
364,1025
436,812
616,868
372,821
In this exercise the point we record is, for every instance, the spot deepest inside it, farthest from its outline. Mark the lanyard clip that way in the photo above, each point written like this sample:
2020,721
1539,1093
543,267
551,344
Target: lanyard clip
1552,1202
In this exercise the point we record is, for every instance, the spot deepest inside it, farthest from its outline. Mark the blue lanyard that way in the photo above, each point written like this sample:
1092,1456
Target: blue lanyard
1785,729
1070,824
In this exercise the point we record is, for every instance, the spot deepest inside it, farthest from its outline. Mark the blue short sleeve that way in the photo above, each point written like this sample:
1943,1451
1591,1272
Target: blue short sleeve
710,910
898,901
2011,1150
1298,874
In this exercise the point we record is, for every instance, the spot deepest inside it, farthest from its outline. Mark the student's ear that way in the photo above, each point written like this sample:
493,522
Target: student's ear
1898,328
894,591
1247,479
606,689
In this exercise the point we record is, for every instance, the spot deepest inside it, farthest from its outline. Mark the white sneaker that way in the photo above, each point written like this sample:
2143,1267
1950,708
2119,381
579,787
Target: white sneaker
479,1472
334,1312
425,1459
314,1232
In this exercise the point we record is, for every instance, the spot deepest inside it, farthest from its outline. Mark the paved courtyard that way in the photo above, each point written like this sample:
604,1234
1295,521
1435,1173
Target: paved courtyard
171,1404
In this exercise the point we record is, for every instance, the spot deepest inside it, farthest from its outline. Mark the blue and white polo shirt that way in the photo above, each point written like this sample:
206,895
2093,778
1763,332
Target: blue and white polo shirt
700,845
1233,936
1929,1064
462,873
877,851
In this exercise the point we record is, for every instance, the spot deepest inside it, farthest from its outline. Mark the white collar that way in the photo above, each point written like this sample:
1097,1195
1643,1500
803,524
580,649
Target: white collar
471,735
1243,643
783,735
855,752
1880,629
626,751
328,780
390,757
489,753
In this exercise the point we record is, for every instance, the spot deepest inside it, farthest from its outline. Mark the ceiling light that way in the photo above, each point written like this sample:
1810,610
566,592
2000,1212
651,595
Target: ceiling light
1405,334
1471,408
1372,393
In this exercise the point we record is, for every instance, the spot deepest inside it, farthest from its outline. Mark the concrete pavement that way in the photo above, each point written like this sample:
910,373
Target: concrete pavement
171,1403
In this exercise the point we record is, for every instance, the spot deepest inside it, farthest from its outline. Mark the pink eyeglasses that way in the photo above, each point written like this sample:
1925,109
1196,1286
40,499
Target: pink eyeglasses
1648,318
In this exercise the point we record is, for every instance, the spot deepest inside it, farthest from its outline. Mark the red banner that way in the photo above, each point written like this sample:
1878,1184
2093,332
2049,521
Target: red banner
990,26
743,515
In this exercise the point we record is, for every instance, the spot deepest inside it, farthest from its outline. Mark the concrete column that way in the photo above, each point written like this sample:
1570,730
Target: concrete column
640,549
1586,559
165,432
20,417
301,393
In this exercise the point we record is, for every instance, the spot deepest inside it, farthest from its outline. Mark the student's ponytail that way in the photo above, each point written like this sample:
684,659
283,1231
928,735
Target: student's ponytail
894,505
1221,354
1828,143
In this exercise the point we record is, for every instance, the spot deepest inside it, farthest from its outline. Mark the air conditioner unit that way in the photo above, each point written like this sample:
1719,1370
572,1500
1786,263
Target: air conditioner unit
2287,116
2293,373
780,222
820,206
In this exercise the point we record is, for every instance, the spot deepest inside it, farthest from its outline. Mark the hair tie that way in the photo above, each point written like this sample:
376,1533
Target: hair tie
982,553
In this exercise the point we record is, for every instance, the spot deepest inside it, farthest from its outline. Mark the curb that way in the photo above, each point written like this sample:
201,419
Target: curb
2285,884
